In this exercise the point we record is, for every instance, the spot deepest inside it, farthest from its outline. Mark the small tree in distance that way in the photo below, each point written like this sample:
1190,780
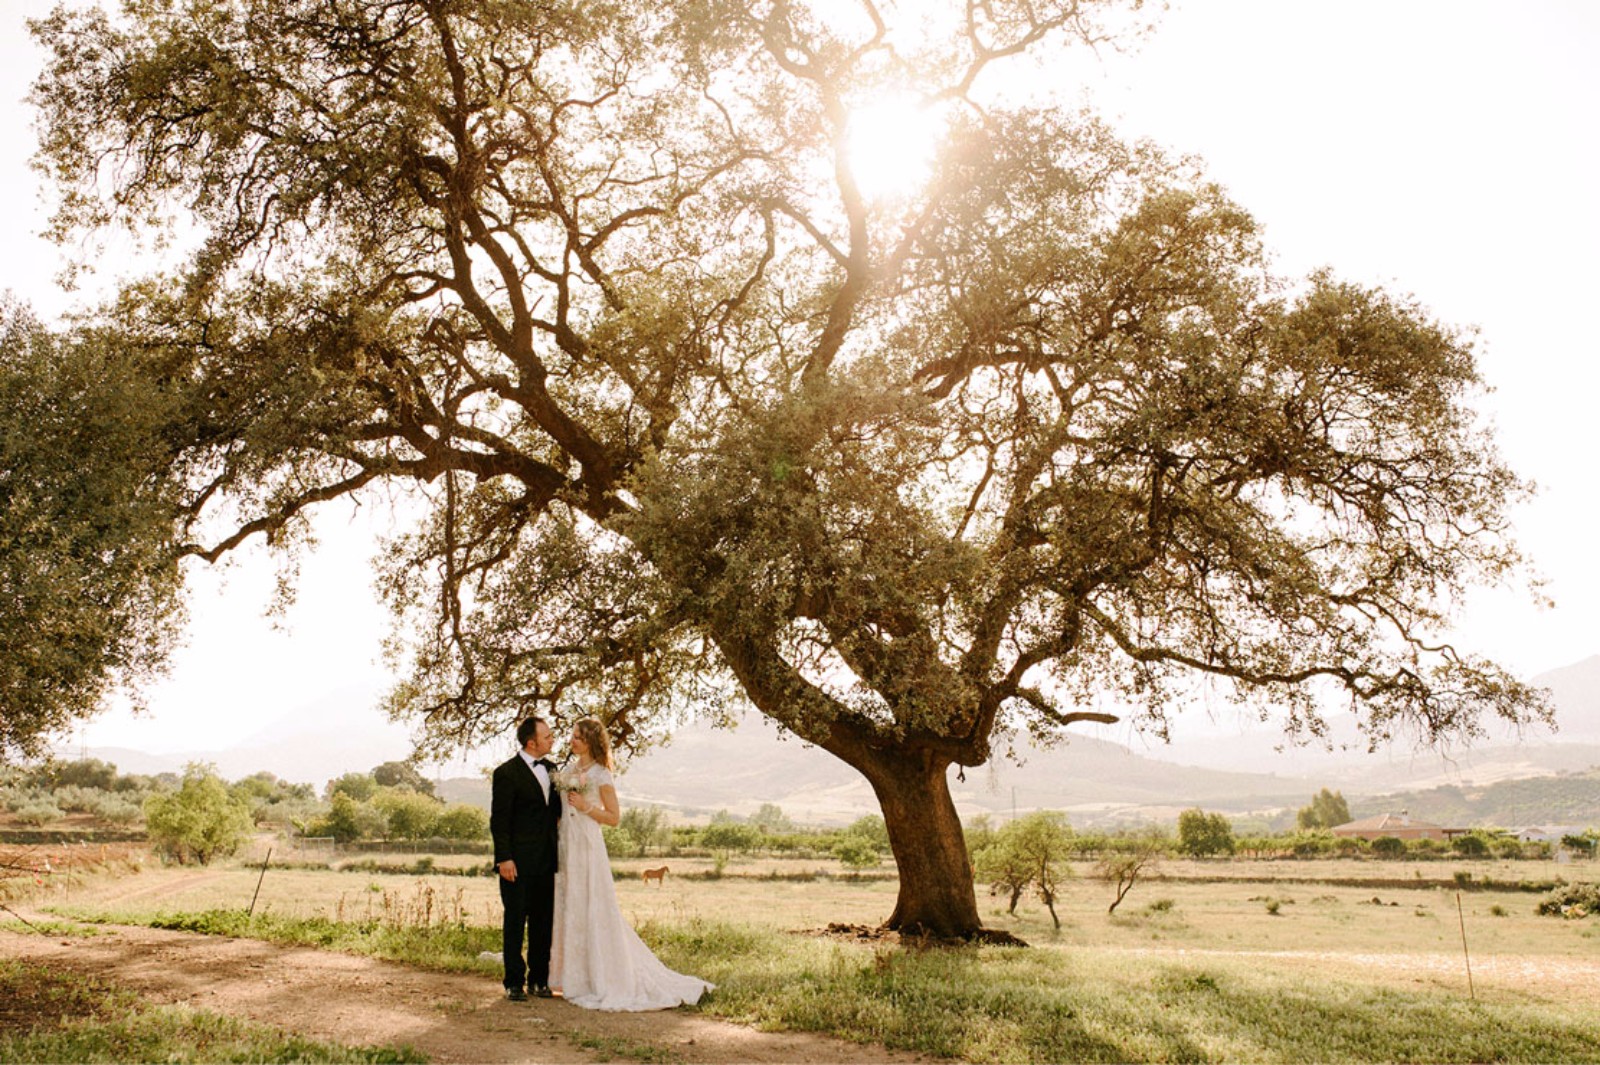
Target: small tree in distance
1201,834
1030,852
463,821
856,852
401,775
1126,859
998,864
1327,810
359,786
771,819
200,821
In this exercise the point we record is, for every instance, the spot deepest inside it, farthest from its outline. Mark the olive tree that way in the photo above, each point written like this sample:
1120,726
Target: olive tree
1032,851
690,413
199,821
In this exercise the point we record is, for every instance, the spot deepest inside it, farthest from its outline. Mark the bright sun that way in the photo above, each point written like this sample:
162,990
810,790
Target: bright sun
891,144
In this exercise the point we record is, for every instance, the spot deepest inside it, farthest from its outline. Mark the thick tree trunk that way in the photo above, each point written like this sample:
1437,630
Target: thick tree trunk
937,897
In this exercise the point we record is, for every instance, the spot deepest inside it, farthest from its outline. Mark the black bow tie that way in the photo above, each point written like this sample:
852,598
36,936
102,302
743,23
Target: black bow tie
547,763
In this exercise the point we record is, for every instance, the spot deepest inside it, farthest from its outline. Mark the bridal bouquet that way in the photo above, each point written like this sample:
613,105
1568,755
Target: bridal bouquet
567,779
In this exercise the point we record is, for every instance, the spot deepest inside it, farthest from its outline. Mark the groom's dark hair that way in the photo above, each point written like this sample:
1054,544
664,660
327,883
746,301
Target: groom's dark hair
525,731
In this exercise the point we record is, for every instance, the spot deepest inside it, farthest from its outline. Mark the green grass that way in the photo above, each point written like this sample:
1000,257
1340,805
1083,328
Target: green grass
994,1004
1007,1005
1186,970
610,1048
49,1017
448,947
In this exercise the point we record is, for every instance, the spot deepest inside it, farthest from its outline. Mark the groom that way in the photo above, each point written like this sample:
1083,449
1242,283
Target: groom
524,809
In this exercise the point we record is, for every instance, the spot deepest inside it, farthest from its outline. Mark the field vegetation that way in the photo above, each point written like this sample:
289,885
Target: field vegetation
1145,945
1207,959
48,1016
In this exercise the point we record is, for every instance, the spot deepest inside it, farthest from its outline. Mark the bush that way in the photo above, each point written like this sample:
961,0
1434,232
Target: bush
39,812
856,852
1584,846
117,811
462,821
1574,901
1200,833
348,819
409,814
359,786
646,827
75,799
873,829
620,843
1388,847
730,836
200,821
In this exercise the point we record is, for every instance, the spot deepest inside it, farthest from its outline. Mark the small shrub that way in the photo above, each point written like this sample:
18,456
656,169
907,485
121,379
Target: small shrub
1497,910
1388,847
1273,906
39,813
1573,901
1160,906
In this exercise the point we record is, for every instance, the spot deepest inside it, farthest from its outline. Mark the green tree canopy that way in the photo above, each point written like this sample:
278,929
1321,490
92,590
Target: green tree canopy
771,819
200,821
408,814
1327,810
401,775
688,410
359,786
460,820
1201,834
88,586
1030,852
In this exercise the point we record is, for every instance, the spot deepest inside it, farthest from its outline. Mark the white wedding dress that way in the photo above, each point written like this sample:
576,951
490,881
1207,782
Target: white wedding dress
597,960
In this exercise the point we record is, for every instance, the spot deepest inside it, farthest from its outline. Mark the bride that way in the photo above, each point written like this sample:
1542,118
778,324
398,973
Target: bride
596,959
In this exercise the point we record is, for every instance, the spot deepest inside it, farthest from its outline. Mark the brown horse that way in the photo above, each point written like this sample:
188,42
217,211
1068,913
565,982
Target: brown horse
658,875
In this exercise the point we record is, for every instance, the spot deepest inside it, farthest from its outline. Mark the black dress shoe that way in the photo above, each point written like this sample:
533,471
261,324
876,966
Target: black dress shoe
543,991
516,994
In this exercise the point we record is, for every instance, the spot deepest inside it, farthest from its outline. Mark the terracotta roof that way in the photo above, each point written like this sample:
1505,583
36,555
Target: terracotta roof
1386,822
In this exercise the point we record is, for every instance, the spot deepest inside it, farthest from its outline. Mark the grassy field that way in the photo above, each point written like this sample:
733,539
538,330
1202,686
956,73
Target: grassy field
92,1022
1281,961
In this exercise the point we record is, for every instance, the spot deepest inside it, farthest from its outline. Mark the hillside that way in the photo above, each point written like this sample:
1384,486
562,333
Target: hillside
1571,799
1576,691
705,769
1243,770
1097,783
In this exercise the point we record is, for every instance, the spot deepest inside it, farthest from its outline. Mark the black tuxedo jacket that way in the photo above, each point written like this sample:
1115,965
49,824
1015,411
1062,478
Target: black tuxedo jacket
521,821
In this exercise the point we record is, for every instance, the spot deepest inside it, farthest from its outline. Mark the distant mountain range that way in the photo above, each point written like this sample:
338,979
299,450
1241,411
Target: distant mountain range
1247,773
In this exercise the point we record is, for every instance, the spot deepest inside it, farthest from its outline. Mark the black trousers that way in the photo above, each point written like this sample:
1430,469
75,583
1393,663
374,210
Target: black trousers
530,905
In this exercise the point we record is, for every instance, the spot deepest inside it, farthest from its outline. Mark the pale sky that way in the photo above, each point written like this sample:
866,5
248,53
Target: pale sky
1443,148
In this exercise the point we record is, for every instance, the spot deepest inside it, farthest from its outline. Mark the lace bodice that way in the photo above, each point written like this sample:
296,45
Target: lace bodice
586,782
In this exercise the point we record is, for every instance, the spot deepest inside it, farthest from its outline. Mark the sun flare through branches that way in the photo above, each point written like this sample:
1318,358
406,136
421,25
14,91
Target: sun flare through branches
891,142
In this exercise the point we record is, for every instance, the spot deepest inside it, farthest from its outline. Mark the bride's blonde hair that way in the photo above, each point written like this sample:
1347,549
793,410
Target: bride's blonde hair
593,735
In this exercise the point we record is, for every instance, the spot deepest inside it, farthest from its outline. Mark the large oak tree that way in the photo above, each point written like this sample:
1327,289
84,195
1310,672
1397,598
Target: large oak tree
688,410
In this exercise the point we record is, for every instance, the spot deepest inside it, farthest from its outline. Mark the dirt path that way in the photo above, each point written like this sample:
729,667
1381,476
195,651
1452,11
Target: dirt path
363,1001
